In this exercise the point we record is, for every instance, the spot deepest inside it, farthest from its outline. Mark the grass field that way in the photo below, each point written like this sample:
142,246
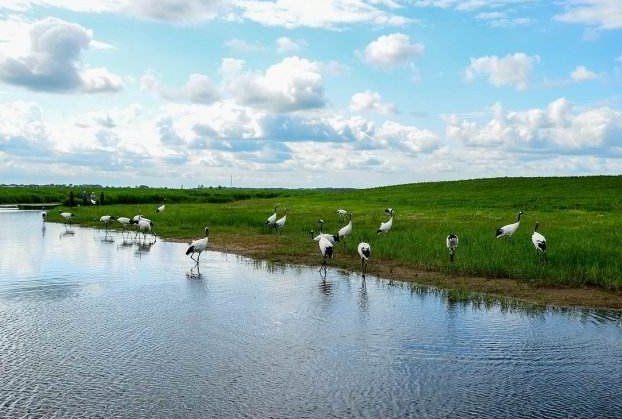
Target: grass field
580,217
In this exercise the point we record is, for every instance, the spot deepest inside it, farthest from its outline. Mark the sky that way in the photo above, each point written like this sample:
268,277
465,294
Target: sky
306,94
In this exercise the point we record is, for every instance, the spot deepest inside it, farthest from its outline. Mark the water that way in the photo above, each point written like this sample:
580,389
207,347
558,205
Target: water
91,326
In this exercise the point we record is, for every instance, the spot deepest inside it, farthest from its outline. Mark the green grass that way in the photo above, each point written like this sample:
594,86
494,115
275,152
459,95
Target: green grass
579,216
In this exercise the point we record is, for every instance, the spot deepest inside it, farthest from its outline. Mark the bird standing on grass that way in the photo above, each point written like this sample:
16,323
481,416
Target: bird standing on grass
280,223
161,208
538,240
509,229
386,226
271,220
345,231
330,237
342,213
364,251
452,245
198,246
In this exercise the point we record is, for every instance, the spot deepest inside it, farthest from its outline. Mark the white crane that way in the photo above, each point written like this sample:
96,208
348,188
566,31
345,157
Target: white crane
330,237
364,251
386,226
161,208
107,219
280,223
452,245
198,246
68,216
271,220
326,250
342,213
144,226
538,240
125,221
346,230
508,230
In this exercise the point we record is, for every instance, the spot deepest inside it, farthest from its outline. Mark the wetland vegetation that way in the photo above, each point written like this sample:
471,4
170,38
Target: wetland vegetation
579,216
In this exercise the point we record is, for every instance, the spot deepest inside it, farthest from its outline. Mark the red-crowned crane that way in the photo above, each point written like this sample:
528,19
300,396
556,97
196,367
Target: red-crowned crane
198,246
326,250
386,226
345,231
510,229
452,245
364,251
539,242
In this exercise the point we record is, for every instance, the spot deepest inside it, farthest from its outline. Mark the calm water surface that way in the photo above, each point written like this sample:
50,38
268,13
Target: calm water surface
95,326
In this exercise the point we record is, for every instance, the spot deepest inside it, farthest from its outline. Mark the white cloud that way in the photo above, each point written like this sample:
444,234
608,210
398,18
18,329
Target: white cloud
52,62
244,46
512,70
391,51
558,128
328,14
293,84
286,45
604,14
581,73
179,11
369,101
198,89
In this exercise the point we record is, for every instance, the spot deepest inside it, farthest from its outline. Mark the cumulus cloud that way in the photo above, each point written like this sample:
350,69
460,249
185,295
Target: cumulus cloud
177,11
52,63
391,51
369,101
327,14
557,128
604,14
22,130
581,73
286,45
198,89
241,45
512,70
293,84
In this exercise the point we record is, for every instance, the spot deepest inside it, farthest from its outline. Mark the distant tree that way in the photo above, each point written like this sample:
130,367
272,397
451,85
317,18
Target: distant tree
72,199
101,198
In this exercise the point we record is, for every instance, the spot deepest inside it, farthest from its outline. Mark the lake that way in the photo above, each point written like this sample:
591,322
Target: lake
95,325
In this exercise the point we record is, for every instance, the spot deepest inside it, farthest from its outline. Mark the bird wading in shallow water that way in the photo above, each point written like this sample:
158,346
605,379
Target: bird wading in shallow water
539,242
107,219
452,245
510,229
198,246
68,217
326,250
364,251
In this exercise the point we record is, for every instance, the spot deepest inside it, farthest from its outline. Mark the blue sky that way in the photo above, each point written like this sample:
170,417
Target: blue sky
322,93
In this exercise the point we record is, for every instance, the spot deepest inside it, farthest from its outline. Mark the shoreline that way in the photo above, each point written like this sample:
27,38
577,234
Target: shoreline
501,288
